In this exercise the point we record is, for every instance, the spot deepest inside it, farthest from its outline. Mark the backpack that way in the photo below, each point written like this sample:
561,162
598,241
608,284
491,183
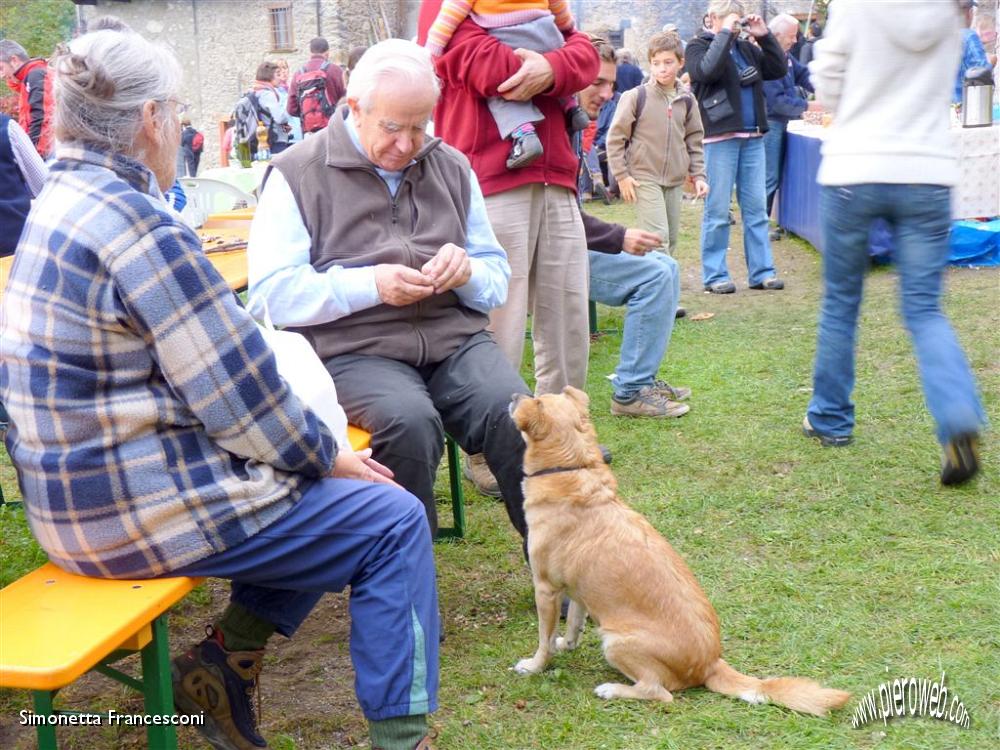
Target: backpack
640,104
310,89
246,113
198,142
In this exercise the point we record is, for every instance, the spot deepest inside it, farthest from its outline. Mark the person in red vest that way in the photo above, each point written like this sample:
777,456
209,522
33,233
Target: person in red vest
28,78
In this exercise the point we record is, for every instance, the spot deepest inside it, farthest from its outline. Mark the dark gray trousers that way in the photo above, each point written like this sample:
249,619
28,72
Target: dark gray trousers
408,409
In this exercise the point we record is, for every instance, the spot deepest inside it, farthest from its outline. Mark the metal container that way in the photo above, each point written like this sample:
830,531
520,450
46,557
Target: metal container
977,98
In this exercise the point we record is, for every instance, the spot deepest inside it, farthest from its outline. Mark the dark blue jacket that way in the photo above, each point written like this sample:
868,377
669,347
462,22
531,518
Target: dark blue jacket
627,76
604,118
15,198
784,99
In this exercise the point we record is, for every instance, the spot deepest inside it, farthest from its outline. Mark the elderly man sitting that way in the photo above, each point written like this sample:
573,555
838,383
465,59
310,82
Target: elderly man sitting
373,241
153,435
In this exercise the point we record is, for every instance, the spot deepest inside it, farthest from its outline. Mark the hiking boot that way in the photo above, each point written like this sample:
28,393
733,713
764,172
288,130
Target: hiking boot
576,119
773,284
960,460
217,683
525,150
474,469
721,287
674,393
648,403
827,441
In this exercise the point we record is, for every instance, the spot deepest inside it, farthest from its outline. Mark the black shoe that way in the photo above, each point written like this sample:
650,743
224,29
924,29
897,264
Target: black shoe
772,284
679,313
732,218
525,150
721,287
960,461
776,234
577,119
218,684
605,453
827,441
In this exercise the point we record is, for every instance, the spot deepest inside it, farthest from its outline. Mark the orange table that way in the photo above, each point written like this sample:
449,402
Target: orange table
232,264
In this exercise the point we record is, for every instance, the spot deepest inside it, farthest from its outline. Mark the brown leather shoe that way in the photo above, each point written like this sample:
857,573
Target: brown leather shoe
474,469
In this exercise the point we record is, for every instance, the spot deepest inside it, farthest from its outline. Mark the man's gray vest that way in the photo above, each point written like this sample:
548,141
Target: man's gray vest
353,221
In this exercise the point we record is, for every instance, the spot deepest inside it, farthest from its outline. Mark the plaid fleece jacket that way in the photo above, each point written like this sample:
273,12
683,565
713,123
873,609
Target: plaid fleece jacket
149,425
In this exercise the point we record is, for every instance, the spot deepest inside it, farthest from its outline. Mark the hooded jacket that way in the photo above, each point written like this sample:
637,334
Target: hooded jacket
890,120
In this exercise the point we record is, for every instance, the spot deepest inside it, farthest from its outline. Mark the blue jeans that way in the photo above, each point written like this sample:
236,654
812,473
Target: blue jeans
649,287
920,218
739,161
774,148
373,538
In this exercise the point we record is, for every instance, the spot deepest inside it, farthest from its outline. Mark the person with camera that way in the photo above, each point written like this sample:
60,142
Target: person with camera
727,73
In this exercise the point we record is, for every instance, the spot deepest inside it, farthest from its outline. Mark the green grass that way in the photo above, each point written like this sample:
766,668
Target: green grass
851,566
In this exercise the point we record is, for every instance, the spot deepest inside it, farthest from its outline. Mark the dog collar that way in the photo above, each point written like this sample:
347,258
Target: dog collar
554,470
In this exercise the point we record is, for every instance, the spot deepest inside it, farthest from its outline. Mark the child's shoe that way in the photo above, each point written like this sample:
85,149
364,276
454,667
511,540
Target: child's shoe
526,148
577,119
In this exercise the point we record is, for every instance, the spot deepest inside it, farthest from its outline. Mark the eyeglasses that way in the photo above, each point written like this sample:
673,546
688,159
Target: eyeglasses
179,106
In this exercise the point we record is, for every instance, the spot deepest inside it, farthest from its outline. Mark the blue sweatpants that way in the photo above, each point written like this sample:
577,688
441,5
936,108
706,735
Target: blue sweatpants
375,539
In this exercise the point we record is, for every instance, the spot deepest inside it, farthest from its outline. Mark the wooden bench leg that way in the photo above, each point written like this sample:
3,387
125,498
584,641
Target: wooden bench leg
46,733
157,691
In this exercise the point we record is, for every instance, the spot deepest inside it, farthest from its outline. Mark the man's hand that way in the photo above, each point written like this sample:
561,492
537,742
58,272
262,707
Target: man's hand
534,77
360,465
400,285
448,269
700,189
627,186
640,242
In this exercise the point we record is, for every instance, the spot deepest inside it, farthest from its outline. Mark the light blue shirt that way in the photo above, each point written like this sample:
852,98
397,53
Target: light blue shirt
280,272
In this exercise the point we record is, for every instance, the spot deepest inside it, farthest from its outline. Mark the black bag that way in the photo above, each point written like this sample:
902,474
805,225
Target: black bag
717,107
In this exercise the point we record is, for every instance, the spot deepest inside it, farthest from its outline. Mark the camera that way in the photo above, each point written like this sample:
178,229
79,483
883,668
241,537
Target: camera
745,22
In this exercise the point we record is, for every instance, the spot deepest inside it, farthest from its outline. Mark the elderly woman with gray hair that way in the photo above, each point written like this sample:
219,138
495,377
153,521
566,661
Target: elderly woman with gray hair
153,436
727,77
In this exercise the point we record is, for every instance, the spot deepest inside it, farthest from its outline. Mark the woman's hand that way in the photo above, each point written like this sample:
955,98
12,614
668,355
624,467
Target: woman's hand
361,465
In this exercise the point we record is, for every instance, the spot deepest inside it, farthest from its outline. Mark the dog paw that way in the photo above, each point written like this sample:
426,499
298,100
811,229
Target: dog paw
527,666
607,690
564,645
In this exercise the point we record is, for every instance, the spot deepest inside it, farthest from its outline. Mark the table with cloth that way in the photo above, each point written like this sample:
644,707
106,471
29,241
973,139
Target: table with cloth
247,180
976,195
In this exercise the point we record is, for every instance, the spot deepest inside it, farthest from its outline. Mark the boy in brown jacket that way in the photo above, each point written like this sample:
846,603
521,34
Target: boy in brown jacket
654,142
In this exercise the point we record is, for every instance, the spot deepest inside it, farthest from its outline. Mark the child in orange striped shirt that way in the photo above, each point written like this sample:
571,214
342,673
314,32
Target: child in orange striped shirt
529,24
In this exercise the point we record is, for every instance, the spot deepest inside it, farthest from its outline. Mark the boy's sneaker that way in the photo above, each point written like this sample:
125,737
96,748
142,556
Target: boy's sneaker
577,119
673,392
217,683
526,149
648,403
960,460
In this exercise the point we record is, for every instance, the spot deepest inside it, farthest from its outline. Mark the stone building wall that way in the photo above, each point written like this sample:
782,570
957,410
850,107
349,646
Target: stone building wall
220,43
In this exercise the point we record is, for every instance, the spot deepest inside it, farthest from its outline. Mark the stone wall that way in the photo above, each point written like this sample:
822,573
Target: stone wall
220,43
640,19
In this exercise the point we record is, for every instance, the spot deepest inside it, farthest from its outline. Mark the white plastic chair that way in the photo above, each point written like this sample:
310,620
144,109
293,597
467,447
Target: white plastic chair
206,196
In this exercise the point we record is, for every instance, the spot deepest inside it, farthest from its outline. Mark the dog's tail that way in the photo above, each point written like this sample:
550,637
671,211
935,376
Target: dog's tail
797,693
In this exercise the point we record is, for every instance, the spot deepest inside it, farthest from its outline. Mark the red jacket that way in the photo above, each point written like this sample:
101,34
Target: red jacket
33,87
471,68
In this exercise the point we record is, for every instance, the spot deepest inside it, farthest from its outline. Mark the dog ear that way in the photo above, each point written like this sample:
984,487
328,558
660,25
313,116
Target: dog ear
580,398
529,416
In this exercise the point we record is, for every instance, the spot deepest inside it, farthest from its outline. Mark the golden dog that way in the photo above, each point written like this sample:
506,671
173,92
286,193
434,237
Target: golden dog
657,626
